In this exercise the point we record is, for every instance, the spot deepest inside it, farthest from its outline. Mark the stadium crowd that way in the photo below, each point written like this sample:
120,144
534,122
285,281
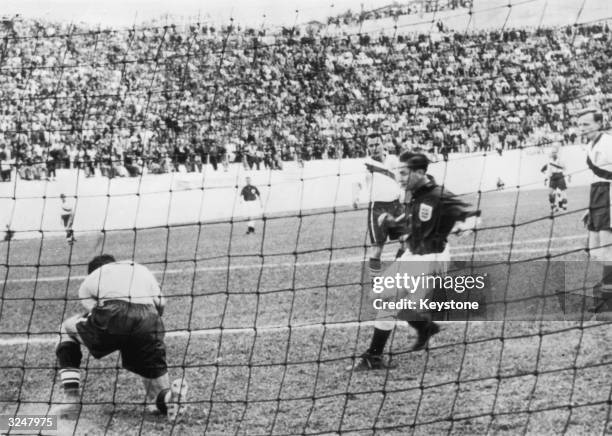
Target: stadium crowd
174,98
396,10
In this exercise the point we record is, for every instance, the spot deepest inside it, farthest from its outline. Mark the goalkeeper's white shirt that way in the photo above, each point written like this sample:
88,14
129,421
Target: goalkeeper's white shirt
126,281
381,181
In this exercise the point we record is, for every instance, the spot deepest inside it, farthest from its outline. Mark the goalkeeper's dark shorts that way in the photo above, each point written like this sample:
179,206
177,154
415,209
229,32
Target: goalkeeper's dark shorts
379,234
599,207
135,330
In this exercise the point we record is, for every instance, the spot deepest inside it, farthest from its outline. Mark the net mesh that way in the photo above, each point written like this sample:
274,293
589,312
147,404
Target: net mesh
264,325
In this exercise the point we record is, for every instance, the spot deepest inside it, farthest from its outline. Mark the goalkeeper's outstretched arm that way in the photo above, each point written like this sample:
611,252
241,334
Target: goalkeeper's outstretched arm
465,220
469,224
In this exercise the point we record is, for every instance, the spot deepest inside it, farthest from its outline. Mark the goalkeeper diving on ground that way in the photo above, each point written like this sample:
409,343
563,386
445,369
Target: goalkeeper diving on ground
124,309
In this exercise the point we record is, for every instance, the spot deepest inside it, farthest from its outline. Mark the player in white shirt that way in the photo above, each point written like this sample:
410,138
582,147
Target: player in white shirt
67,215
597,218
124,308
555,178
383,192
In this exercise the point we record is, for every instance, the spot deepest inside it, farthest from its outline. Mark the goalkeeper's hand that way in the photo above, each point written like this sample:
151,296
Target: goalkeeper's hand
388,220
545,182
467,227
355,204
569,178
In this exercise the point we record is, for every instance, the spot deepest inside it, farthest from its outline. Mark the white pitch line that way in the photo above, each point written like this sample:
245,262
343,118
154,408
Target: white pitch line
517,250
522,241
53,338
474,248
206,268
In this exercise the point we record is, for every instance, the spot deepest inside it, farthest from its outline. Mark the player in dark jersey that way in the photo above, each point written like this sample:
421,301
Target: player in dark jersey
251,199
8,235
434,212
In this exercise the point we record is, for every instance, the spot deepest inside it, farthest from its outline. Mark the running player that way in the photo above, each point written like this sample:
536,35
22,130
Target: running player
9,234
434,213
555,178
68,218
251,200
383,191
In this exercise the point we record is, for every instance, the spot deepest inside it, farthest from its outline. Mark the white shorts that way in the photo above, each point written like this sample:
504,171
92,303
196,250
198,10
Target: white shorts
251,209
428,265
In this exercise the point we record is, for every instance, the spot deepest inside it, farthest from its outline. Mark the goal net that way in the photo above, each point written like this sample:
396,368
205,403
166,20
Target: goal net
150,133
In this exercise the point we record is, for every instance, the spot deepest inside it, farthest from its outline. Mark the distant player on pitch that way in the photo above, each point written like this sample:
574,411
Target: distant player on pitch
555,178
251,201
434,213
124,309
9,234
68,218
598,218
383,190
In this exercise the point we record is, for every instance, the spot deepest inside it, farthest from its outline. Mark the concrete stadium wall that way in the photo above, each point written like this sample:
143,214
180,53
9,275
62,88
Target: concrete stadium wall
489,15
178,198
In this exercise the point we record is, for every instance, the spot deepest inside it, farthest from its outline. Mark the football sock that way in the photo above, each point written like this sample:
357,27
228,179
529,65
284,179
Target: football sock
418,325
69,354
375,267
379,340
162,400
606,282
69,358
70,378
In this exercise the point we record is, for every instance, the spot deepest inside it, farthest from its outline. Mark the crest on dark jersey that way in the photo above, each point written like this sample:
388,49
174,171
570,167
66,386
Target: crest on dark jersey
425,212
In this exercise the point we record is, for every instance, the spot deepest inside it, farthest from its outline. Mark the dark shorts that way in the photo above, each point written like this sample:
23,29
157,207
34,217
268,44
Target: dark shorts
379,234
599,207
66,219
135,330
557,181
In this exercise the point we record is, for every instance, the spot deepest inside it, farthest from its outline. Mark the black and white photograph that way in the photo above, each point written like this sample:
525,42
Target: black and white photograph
315,217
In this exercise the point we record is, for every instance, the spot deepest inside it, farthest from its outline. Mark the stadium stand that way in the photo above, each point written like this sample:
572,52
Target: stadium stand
64,105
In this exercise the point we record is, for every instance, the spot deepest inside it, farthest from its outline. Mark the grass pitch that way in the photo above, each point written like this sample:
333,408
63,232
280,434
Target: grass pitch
264,326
